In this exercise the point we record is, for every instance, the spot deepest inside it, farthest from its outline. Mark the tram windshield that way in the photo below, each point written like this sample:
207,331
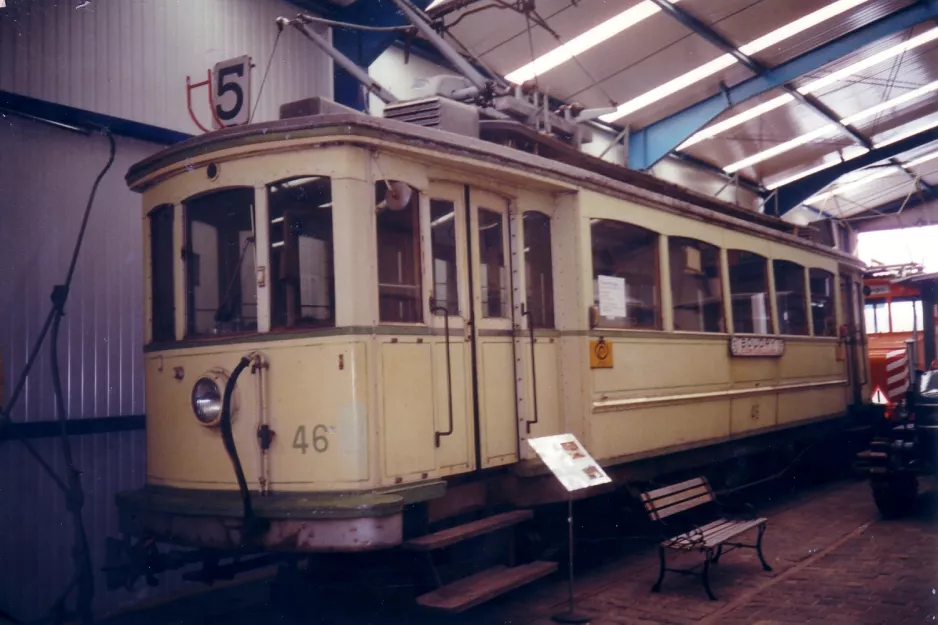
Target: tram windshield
897,316
220,278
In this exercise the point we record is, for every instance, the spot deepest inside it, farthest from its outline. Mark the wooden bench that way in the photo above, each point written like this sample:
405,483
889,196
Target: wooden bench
709,538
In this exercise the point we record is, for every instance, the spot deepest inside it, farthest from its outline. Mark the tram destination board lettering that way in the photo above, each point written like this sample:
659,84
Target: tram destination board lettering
756,346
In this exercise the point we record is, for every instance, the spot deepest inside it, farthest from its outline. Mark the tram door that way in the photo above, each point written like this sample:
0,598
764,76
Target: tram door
470,278
492,336
855,357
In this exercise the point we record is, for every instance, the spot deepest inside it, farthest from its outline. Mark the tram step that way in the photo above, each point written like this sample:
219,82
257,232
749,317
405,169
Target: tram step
453,535
481,587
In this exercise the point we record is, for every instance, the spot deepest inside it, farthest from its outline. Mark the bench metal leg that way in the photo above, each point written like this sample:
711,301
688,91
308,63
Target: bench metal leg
706,575
662,559
765,565
716,558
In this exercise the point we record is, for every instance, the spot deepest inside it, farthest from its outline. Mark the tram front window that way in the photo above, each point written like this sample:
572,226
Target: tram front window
162,289
301,257
220,272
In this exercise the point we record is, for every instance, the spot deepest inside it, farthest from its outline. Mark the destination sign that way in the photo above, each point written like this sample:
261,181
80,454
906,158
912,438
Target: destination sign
756,346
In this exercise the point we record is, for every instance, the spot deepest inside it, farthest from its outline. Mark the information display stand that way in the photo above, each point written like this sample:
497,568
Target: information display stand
573,466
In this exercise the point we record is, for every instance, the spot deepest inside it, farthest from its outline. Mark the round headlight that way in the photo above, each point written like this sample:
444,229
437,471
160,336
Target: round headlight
206,401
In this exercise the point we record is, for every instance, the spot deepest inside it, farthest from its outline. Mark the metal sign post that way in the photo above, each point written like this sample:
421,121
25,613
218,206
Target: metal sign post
573,466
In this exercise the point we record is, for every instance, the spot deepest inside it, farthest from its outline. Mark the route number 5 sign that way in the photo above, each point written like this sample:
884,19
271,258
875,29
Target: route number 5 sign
231,91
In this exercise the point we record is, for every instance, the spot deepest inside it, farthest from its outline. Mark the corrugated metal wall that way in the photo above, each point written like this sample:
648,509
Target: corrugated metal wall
45,177
130,58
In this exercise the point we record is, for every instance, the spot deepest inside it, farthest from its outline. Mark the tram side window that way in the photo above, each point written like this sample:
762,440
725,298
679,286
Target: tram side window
539,269
625,275
493,275
162,281
443,244
696,285
790,297
221,278
302,267
398,235
877,317
749,292
822,302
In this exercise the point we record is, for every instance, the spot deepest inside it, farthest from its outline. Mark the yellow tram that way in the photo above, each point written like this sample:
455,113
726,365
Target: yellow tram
406,306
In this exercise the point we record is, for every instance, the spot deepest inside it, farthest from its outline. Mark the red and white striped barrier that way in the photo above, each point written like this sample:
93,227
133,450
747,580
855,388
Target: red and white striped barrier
897,374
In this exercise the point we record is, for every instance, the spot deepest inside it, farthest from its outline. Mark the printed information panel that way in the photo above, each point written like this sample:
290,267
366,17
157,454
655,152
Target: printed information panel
569,461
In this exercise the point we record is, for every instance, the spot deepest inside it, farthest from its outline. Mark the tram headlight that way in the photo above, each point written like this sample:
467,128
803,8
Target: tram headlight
206,401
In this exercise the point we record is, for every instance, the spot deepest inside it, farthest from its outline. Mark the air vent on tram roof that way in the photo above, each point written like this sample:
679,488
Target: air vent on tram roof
440,113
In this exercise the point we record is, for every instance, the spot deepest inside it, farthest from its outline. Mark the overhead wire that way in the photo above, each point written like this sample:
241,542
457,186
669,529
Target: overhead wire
270,60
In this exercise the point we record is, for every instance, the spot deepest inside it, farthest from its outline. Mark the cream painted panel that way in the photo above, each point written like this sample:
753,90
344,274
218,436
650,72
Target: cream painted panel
407,423
394,167
305,386
753,413
497,395
799,405
803,257
649,364
455,451
733,240
746,370
634,431
598,206
313,386
180,451
811,360
337,162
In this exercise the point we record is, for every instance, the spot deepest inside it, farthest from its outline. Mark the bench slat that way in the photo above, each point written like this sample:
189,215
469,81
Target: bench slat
714,534
685,505
698,536
667,490
667,500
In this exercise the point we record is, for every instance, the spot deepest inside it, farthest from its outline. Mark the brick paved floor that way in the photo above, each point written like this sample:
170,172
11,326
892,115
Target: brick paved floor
834,562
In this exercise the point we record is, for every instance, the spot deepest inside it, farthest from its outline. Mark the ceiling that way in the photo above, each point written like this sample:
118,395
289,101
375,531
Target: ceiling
655,61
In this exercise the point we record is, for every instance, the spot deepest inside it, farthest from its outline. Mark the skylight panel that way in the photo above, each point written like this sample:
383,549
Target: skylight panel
832,128
583,42
807,172
781,148
850,186
741,118
698,74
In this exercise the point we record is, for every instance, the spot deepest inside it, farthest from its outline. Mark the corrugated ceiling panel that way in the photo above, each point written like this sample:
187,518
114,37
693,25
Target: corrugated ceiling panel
130,58
868,51
765,132
486,31
778,13
46,187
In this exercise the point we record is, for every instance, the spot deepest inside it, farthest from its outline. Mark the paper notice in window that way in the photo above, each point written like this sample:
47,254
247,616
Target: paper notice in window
569,461
611,296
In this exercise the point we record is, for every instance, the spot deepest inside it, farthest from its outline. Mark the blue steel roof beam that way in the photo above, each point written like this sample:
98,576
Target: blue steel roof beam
695,25
363,47
798,191
649,145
